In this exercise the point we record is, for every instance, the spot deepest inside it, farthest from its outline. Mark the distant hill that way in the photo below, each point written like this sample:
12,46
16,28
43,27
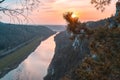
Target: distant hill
12,35
57,28
99,23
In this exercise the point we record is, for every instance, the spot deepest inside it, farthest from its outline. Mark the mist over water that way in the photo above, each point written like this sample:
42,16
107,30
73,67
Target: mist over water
57,28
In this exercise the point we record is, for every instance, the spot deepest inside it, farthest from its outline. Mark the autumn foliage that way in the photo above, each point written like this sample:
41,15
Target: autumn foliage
105,44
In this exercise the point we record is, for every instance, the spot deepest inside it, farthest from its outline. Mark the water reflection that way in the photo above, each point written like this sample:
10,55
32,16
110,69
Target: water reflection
35,66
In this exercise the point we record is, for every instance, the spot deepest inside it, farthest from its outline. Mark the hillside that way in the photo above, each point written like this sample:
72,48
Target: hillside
12,35
56,28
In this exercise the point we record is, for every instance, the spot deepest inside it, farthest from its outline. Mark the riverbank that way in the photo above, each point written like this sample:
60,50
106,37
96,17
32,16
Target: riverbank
4,53
12,60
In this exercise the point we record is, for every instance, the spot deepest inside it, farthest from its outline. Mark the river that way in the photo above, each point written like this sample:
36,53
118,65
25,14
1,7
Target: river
35,66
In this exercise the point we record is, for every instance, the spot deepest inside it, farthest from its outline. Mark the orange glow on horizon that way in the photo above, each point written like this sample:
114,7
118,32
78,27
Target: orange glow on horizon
51,12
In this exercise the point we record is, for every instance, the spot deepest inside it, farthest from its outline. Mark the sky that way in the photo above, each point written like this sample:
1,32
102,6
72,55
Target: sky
51,11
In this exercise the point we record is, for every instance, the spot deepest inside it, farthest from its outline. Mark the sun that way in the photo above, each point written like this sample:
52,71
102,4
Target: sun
74,15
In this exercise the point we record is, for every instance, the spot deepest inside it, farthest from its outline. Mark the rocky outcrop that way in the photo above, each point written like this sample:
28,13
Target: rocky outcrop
65,57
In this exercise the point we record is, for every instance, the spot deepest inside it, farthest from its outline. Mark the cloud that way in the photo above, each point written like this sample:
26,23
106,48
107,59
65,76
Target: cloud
51,11
64,4
48,1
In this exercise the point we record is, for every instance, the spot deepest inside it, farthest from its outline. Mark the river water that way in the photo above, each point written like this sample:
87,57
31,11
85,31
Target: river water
35,66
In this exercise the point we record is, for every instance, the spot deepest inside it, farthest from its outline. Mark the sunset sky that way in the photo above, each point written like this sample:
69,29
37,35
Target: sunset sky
51,11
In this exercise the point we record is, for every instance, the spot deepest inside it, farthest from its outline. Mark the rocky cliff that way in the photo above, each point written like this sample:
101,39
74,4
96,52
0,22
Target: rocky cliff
65,57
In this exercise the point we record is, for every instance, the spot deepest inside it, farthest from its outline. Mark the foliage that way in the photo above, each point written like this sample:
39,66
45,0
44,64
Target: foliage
72,22
74,25
100,4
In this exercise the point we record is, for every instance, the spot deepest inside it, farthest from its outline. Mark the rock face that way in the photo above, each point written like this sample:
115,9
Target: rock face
65,57
115,20
117,8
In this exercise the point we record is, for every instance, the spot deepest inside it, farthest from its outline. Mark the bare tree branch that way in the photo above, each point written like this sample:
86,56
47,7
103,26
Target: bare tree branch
26,6
100,4
2,1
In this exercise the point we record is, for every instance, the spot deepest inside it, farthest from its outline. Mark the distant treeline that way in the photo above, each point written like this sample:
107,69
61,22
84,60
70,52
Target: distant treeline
12,35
